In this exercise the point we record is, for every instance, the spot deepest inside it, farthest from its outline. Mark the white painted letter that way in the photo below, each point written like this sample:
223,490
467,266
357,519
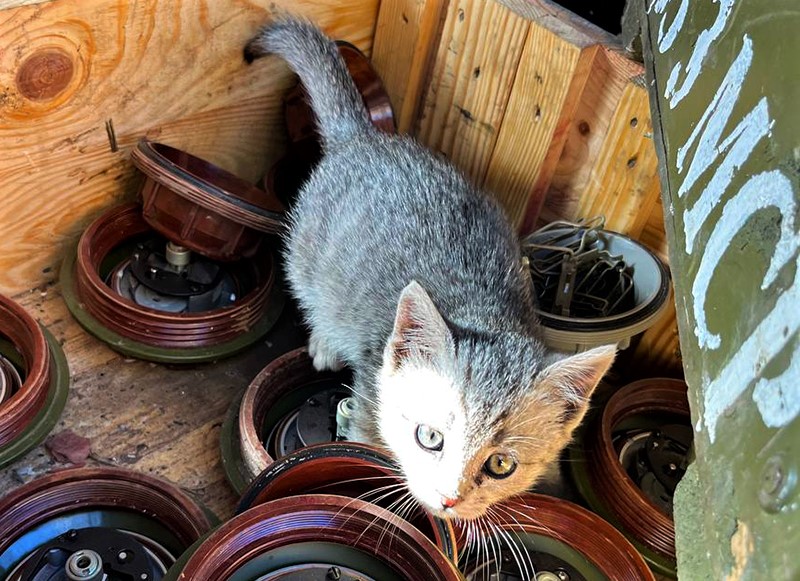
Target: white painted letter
758,350
707,139
766,189
778,399
701,46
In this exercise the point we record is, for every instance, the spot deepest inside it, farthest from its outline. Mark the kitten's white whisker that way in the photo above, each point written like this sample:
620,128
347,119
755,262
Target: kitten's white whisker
516,534
395,508
359,479
527,517
391,516
486,561
518,550
404,510
498,555
392,488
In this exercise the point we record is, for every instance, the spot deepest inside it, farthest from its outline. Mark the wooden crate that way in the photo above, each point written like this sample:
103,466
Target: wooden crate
82,80
541,108
536,105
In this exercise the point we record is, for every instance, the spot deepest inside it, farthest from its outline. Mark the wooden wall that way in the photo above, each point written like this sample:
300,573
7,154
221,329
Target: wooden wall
538,106
70,70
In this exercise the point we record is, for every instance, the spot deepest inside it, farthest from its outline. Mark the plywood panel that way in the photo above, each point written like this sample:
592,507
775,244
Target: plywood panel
406,37
623,184
653,234
474,70
543,78
585,135
659,347
171,70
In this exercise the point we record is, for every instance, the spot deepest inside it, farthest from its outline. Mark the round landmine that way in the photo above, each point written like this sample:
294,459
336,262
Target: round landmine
628,460
152,299
347,469
34,381
288,406
315,536
89,522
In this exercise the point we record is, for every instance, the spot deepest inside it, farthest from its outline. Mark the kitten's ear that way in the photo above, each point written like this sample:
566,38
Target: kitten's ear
419,330
572,379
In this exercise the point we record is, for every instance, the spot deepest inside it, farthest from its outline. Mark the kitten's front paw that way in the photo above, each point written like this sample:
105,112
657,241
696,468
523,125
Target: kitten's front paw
324,357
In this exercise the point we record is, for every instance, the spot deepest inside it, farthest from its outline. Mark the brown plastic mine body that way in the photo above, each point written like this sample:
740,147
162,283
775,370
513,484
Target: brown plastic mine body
18,327
67,491
150,326
287,175
600,543
291,371
318,518
624,498
347,469
300,119
202,207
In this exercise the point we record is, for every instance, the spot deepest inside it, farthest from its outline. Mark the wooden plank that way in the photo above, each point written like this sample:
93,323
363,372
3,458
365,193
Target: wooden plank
653,234
658,352
5,4
173,71
563,22
406,37
540,88
584,71
474,70
624,184
161,420
585,136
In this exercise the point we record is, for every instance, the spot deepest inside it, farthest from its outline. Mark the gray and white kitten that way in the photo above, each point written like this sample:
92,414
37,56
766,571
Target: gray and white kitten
413,277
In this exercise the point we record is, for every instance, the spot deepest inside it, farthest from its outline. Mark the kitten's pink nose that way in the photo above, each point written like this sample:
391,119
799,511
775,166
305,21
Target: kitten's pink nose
449,502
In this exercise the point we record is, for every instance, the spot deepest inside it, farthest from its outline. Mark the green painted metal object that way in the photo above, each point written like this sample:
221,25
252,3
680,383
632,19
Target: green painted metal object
43,423
577,465
138,350
725,89
230,449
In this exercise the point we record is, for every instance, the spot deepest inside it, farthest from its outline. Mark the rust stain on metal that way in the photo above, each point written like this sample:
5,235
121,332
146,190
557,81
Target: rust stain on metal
742,546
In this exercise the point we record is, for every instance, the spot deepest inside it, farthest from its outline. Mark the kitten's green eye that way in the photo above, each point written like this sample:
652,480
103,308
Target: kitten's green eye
429,438
500,466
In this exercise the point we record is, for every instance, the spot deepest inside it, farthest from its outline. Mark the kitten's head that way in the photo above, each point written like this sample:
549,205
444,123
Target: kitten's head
476,418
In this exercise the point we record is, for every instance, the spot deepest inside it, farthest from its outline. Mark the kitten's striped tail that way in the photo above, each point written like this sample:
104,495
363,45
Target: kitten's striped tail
340,111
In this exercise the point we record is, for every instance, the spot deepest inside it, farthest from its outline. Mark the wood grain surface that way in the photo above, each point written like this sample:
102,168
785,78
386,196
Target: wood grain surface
541,85
475,66
71,70
406,37
157,419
